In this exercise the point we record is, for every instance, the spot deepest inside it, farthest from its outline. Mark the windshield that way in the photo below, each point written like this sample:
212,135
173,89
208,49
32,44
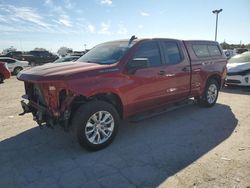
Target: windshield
65,59
106,53
242,58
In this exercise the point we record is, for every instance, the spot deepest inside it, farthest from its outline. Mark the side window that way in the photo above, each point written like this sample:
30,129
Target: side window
34,53
11,61
214,50
151,51
201,50
172,53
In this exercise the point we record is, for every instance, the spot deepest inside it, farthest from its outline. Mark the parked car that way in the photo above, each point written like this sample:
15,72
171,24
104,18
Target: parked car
240,50
15,66
39,57
14,55
66,59
4,71
239,70
120,79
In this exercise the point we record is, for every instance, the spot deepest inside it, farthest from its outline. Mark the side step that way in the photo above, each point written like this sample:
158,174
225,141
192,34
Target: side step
159,111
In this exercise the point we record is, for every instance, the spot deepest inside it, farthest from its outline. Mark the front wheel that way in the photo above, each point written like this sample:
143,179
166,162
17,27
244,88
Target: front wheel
96,124
210,95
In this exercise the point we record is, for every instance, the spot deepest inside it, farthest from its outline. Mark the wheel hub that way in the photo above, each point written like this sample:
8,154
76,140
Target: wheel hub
99,127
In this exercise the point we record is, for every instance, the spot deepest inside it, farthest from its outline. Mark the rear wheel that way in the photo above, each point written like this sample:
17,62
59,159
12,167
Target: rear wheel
96,124
210,95
17,70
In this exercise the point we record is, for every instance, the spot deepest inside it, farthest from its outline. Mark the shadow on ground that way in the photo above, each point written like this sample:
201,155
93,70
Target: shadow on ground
143,154
242,90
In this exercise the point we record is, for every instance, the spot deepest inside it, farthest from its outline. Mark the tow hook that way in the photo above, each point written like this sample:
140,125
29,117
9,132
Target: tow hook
25,107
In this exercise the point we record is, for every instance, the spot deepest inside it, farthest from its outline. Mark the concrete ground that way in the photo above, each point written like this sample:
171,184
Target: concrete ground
187,147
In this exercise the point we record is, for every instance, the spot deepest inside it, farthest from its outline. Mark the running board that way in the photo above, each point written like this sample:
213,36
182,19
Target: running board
160,111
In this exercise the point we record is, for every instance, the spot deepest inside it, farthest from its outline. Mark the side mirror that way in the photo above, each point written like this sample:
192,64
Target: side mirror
137,63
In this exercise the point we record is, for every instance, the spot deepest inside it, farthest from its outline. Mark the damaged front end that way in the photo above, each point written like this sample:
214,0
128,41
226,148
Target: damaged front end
48,103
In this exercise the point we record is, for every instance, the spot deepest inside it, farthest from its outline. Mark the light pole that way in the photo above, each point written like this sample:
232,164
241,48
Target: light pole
216,12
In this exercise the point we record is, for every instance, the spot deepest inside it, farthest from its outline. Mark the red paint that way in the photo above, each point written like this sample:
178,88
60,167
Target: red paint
144,90
4,72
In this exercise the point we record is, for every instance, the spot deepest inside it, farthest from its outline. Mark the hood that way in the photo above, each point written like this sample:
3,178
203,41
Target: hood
238,67
57,71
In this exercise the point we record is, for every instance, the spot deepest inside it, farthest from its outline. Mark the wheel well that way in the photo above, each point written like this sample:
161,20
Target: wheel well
216,77
112,99
107,97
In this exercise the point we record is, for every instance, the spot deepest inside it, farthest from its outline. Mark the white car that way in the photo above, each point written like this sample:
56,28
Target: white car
15,66
238,70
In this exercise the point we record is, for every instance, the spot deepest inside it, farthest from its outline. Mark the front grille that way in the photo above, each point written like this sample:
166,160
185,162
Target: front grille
230,81
241,73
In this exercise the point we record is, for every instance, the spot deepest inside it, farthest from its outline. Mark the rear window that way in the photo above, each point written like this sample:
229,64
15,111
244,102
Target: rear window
200,50
204,50
214,50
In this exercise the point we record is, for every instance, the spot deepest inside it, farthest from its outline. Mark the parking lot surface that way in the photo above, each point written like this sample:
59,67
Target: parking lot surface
187,147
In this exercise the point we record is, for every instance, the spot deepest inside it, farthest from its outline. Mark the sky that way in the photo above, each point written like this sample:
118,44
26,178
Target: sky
51,24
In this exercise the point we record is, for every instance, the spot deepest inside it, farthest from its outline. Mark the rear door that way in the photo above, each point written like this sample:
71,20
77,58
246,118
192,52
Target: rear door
177,71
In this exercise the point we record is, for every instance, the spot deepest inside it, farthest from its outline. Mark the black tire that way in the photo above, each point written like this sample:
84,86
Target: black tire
204,100
83,116
1,78
17,70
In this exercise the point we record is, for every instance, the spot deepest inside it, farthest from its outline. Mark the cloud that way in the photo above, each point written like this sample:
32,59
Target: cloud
48,2
65,21
104,29
4,28
26,14
106,2
142,13
122,29
68,4
91,28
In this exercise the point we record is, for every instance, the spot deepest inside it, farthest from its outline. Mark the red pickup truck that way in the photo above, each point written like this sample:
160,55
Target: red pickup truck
119,79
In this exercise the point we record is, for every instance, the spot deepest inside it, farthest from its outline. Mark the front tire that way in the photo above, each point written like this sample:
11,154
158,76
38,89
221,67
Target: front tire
96,125
210,95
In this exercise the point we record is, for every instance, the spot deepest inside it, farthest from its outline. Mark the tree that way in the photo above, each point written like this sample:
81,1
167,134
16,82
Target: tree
63,51
7,50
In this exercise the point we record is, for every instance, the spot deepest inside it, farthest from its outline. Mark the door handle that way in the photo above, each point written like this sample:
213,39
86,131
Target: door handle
161,73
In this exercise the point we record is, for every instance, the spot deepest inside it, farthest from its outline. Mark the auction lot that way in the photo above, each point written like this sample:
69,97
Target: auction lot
187,147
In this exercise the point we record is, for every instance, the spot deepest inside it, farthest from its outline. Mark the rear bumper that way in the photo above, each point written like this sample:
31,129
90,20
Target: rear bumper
238,80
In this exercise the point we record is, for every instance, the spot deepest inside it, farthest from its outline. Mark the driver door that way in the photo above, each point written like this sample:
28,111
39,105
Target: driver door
146,91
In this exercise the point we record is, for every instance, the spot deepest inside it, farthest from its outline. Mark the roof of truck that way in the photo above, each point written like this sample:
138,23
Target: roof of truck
141,39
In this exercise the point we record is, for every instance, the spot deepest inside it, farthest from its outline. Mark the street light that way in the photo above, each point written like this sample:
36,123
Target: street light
216,12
